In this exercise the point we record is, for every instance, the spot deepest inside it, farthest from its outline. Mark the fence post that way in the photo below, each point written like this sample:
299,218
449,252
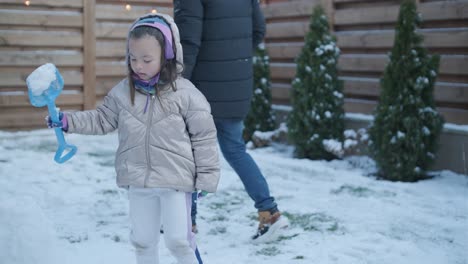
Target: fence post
89,54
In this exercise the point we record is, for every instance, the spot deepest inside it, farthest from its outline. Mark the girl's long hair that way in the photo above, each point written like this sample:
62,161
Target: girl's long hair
169,69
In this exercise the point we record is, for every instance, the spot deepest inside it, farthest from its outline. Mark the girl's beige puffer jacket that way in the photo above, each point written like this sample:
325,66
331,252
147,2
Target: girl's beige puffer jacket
172,145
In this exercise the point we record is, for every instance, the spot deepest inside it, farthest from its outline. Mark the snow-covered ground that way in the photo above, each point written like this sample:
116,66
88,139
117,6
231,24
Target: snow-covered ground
73,213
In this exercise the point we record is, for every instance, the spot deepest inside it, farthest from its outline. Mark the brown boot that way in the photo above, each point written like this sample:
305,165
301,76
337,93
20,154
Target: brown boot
268,224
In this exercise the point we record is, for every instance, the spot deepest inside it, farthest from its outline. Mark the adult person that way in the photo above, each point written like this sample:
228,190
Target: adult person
218,39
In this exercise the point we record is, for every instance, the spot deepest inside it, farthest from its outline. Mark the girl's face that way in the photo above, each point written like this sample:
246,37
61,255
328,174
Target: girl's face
145,56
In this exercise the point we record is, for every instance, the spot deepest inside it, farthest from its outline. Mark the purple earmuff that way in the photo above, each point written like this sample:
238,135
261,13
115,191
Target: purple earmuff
162,26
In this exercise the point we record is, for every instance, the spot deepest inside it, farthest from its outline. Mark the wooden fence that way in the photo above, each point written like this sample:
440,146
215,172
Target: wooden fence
365,34
86,40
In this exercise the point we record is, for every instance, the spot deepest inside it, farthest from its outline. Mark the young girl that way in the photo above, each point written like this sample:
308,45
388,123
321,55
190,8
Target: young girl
167,139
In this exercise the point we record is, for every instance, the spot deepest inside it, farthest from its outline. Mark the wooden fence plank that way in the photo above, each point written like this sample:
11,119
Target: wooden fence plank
111,69
447,38
432,11
150,2
355,87
23,100
112,30
449,64
27,58
18,79
40,38
104,85
371,15
110,49
287,30
443,92
282,70
451,115
49,3
119,13
359,106
444,10
35,118
284,51
40,18
290,9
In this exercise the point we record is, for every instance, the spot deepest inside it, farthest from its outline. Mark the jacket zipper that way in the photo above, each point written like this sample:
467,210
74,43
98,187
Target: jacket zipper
147,146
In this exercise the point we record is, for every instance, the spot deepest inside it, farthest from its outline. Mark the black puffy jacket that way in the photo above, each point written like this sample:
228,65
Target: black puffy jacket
218,38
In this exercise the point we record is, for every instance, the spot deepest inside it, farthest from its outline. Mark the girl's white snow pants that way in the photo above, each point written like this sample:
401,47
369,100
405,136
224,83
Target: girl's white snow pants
151,208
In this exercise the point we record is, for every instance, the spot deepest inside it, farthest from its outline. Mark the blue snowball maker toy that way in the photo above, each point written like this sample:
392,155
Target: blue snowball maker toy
44,85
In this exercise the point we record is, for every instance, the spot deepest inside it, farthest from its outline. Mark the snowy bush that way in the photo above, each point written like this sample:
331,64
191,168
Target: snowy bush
317,98
263,139
261,116
354,143
406,126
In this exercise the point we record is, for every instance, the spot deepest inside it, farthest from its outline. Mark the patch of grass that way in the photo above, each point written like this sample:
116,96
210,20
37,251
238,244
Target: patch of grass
357,191
43,146
78,239
217,206
269,251
217,230
116,238
313,222
280,238
218,218
101,154
110,192
333,228
107,163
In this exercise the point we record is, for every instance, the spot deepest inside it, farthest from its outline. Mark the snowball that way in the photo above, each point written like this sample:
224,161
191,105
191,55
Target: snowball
41,78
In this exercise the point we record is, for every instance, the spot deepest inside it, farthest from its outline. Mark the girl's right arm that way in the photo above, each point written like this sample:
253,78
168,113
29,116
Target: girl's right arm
95,122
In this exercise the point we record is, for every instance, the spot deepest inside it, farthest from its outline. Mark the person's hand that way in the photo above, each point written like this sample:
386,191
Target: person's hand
62,123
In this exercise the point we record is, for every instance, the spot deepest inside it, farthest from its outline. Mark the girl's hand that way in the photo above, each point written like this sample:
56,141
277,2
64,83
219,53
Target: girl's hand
63,123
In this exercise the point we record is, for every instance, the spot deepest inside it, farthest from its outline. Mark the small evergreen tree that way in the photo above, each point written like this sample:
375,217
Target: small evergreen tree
317,99
260,116
406,126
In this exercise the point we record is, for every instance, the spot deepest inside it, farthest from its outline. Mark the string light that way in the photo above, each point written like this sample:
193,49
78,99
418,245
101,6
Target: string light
27,3
128,7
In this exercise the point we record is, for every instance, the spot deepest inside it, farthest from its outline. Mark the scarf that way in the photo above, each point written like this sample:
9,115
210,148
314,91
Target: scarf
147,87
